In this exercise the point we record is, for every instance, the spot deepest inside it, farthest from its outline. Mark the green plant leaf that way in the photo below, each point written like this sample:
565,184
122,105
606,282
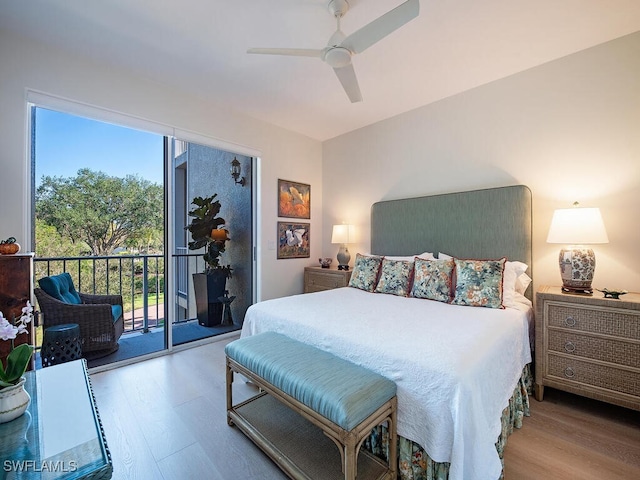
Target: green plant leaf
204,220
17,362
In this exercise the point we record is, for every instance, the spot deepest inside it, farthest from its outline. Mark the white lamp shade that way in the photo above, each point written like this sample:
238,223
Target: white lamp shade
342,234
577,226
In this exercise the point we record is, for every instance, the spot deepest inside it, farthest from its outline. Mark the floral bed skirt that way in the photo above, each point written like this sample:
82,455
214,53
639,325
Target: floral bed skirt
413,461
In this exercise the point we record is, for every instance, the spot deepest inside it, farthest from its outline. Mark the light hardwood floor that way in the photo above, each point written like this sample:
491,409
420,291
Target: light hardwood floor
165,419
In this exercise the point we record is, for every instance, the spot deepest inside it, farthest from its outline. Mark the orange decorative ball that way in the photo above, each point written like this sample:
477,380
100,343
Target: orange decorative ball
219,234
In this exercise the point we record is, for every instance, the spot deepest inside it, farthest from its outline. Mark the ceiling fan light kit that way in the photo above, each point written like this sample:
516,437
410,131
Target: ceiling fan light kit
337,57
340,48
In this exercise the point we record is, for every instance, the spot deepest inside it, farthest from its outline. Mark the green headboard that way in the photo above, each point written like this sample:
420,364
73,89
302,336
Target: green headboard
490,223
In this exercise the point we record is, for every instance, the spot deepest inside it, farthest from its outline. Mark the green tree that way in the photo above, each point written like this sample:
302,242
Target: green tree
99,210
147,240
49,243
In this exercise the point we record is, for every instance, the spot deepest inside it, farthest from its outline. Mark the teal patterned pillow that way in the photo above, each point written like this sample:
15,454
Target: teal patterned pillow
432,279
365,272
479,282
395,277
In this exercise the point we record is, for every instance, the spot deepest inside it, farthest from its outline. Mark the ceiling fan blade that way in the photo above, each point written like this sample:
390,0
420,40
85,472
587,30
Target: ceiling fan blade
382,26
299,52
347,77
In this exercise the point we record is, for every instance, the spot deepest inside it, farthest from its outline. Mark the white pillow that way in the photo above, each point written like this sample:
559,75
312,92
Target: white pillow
522,283
518,298
512,271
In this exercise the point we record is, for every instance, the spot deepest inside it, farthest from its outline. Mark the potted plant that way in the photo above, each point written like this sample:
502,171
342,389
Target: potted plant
208,232
14,399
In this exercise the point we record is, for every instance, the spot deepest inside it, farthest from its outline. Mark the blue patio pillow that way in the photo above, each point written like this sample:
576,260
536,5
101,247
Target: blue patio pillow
116,312
61,288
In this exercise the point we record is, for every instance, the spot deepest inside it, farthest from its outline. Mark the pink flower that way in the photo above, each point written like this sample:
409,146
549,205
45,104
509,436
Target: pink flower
27,313
7,331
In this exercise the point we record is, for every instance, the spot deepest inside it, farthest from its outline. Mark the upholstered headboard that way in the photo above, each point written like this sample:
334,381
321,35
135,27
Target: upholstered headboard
482,224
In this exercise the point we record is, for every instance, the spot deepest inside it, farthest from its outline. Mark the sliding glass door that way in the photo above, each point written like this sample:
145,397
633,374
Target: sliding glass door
98,215
111,205
204,304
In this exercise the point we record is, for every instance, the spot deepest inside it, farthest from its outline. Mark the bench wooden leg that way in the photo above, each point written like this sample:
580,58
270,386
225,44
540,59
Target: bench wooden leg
229,393
393,441
348,454
350,459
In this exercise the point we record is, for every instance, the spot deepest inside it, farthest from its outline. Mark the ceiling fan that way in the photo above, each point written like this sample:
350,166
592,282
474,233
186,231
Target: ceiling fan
340,47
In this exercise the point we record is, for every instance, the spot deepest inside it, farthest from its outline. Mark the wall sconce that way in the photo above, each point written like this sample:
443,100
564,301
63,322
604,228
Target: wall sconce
577,227
343,234
236,170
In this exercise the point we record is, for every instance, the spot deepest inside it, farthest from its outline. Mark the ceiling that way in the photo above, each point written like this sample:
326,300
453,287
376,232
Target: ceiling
452,46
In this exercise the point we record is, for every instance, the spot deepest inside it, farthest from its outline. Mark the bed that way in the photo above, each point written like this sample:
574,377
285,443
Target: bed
462,371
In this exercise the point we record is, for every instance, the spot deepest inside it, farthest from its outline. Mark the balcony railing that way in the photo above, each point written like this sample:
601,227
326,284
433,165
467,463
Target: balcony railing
140,279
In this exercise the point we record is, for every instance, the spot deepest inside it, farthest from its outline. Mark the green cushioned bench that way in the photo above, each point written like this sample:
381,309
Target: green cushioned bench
343,399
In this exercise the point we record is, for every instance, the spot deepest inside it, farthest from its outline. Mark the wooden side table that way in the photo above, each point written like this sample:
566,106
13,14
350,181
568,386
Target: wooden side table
588,345
317,279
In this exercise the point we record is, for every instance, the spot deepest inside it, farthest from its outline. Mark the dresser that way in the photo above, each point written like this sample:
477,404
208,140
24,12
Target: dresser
16,288
588,345
318,278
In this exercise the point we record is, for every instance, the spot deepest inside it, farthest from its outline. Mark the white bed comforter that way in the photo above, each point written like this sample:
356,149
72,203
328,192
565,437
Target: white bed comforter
455,367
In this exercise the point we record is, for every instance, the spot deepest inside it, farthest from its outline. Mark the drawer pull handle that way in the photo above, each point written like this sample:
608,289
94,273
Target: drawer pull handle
570,321
570,347
569,372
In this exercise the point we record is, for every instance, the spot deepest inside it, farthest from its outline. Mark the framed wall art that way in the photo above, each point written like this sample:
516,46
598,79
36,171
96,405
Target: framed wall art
293,240
294,199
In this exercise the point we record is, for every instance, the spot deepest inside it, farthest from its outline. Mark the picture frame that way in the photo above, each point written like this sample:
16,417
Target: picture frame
294,199
294,240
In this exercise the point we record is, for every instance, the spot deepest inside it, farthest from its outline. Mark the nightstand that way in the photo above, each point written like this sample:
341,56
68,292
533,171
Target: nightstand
588,345
318,278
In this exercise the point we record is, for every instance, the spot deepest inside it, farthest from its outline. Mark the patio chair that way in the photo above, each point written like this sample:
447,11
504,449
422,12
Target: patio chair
100,317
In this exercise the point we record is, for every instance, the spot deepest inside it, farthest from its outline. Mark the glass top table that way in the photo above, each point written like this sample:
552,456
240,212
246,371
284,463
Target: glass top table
60,435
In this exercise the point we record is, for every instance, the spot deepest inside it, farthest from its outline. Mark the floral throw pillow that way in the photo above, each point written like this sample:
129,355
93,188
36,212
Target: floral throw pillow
432,279
479,282
365,272
395,277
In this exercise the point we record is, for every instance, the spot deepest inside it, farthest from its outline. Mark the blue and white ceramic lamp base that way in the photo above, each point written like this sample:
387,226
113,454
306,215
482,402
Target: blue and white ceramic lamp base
577,265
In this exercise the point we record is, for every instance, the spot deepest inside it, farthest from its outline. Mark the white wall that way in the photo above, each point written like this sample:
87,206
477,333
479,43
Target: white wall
24,65
569,129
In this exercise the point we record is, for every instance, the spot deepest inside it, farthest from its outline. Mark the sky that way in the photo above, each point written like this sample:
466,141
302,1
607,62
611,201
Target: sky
66,143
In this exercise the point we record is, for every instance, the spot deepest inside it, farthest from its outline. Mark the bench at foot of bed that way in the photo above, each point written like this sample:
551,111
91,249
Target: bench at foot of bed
305,389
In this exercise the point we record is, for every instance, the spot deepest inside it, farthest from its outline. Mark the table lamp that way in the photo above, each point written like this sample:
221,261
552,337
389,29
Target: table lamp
343,234
577,227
